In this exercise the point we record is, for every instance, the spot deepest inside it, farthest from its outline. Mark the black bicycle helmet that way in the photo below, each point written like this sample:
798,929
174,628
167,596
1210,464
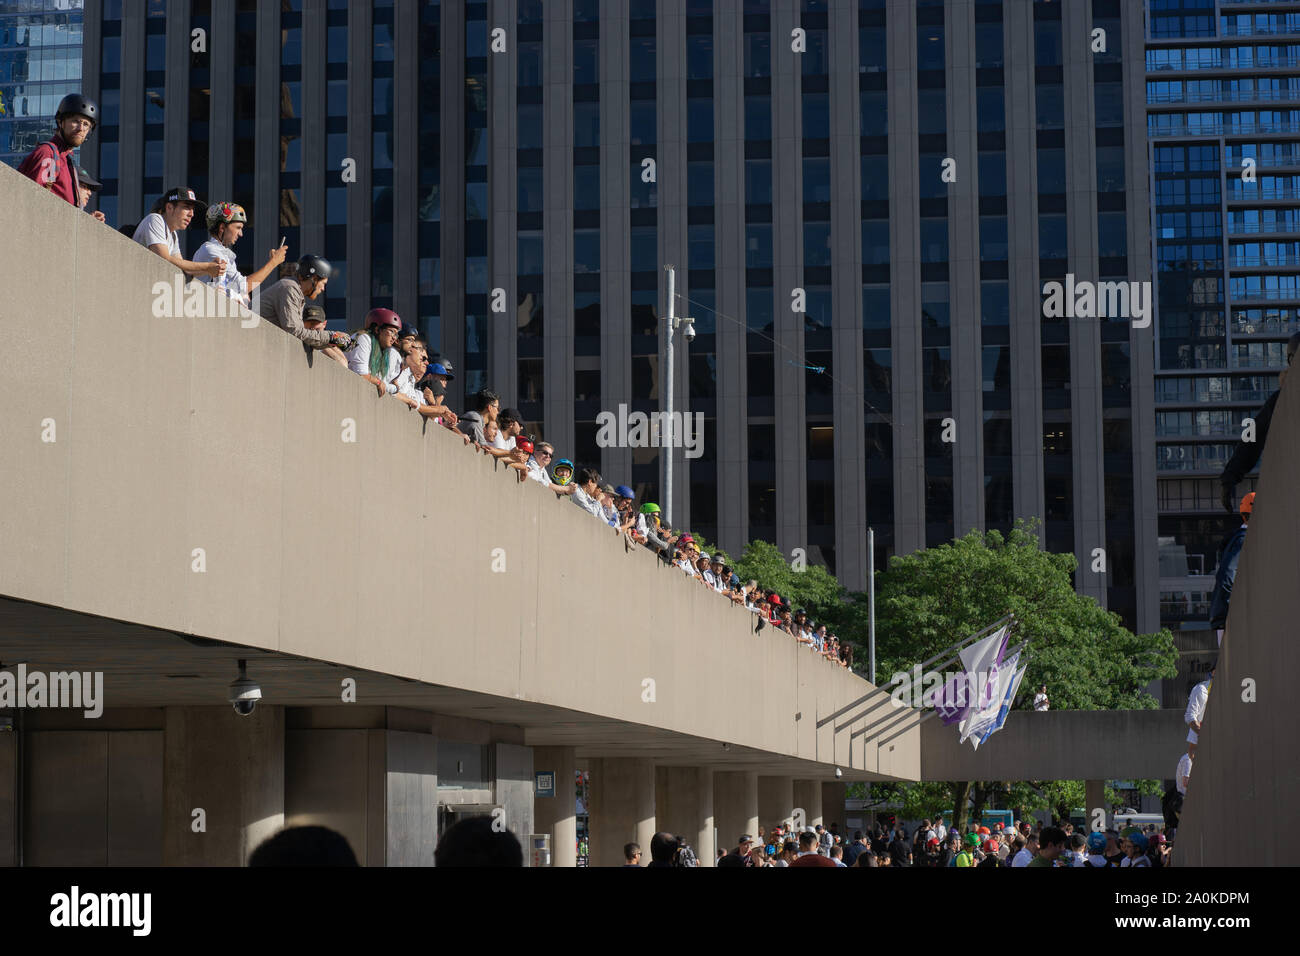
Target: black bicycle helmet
312,266
75,104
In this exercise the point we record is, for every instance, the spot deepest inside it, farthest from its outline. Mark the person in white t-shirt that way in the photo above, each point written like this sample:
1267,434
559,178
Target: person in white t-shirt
1195,713
583,492
1040,699
226,221
159,232
373,355
1184,772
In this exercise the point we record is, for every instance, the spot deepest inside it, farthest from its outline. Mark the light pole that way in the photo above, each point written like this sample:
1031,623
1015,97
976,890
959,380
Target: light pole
666,439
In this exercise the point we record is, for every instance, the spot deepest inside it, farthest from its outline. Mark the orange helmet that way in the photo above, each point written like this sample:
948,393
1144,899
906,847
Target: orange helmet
1248,503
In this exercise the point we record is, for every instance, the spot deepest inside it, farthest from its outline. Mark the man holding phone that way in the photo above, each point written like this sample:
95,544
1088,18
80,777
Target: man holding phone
226,221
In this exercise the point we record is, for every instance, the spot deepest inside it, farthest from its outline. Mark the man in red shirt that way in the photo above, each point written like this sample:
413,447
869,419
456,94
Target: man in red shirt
50,164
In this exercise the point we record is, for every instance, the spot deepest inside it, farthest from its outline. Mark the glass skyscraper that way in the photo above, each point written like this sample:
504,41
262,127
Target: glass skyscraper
40,63
862,200
1223,101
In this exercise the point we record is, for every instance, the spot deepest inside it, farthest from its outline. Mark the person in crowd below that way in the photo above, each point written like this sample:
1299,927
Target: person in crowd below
1040,699
1096,855
632,855
991,859
865,858
1195,713
789,853
1183,774
837,856
1134,846
284,302
1226,575
477,842
226,221
87,187
313,319
373,355
1161,857
966,857
50,164
856,847
1052,840
899,852
487,404
808,855
1114,852
304,846
949,848
663,850
1023,850
159,232
1078,851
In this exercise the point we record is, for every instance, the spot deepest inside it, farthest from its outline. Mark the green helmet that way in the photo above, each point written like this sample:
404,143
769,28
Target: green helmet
649,508
972,839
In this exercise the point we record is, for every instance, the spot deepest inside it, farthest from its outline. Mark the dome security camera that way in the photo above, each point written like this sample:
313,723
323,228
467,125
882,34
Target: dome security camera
688,333
244,692
838,773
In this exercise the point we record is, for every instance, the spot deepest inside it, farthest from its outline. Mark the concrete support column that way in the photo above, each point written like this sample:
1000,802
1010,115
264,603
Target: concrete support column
557,815
622,807
833,796
775,800
231,768
808,798
1095,797
735,807
684,806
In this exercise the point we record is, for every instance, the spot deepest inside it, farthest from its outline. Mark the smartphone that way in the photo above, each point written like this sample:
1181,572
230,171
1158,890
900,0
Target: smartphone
282,241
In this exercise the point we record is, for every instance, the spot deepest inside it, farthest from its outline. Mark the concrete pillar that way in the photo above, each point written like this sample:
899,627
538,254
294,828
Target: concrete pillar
622,807
231,768
833,796
808,798
735,808
684,806
1095,798
775,800
557,815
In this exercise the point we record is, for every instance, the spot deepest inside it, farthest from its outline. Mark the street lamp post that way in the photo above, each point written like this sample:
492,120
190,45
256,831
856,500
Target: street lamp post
666,438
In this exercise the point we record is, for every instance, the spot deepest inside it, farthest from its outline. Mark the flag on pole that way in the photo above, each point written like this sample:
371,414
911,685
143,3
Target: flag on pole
981,719
977,660
1008,699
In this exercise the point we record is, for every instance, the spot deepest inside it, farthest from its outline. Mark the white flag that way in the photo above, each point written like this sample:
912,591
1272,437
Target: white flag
981,720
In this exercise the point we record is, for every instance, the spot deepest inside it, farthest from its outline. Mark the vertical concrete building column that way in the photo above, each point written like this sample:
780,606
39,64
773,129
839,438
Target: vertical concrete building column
622,807
775,800
557,815
808,798
735,807
1095,797
231,768
833,795
684,806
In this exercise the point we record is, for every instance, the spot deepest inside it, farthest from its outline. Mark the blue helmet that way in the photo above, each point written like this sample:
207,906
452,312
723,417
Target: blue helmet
562,479
1139,840
1097,842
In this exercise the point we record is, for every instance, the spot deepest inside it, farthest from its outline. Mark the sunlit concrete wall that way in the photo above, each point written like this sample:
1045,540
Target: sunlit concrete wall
138,446
1246,770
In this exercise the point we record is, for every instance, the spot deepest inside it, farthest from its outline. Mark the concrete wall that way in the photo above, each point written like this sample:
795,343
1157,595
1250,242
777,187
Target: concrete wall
8,799
1245,761
241,438
1060,745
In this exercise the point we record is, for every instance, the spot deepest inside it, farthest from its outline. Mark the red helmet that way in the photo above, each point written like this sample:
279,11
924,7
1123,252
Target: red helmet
524,444
383,317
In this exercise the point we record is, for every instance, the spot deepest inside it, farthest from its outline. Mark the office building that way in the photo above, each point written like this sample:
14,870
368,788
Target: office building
40,63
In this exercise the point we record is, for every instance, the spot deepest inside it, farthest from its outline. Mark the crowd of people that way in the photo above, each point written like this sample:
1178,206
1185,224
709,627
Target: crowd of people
397,361
929,845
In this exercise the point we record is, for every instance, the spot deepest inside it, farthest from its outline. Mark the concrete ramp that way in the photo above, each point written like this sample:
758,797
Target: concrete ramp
1246,776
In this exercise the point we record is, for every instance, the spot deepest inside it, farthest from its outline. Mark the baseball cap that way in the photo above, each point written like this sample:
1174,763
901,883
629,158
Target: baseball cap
776,599
687,539
1160,838
745,838
1248,503
437,368
89,181
186,195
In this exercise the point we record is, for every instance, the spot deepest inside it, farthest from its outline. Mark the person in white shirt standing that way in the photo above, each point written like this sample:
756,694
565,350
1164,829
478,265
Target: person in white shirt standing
1040,699
159,232
1196,702
226,221
1184,772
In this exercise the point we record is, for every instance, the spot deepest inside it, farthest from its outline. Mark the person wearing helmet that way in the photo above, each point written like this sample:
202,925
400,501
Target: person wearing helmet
283,304
87,186
50,164
159,232
374,354
226,221
1134,844
563,472
1096,858
1226,575
991,859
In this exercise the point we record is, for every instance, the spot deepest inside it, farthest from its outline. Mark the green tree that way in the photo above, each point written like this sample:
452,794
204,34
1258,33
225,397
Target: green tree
813,587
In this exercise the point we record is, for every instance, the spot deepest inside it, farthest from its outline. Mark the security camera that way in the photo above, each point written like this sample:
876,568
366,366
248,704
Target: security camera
688,333
838,773
244,692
